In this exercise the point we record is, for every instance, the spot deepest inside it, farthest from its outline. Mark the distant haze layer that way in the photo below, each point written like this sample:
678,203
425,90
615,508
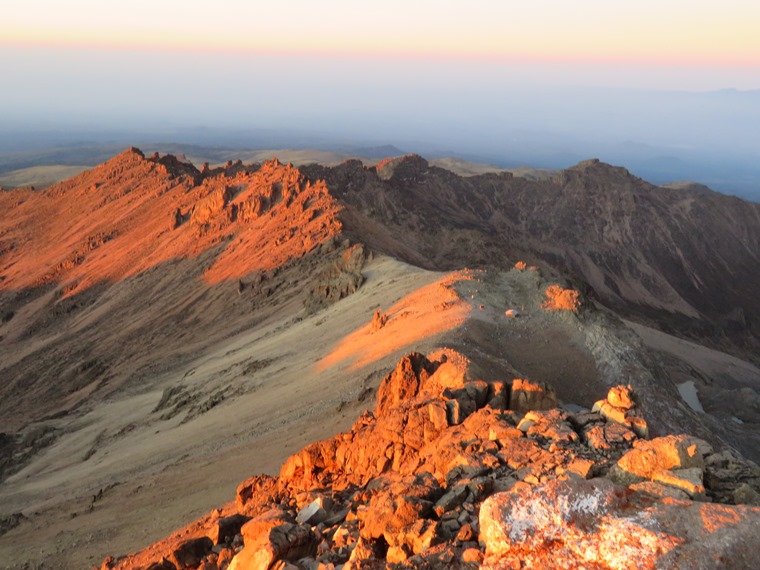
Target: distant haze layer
506,113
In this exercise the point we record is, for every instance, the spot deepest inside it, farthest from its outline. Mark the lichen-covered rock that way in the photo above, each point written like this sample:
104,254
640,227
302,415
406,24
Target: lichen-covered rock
592,524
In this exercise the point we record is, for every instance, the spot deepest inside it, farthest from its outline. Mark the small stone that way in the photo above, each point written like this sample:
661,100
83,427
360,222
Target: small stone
582,467
465,533
525,424
451,526
610,412
453,498
472,556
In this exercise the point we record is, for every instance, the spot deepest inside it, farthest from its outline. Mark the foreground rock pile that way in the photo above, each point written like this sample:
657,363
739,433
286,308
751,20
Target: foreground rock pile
454,472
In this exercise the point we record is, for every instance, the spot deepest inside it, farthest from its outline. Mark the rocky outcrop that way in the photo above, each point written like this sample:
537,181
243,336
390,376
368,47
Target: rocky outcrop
339,279
560,299
444,475
619,406
176,234
406,168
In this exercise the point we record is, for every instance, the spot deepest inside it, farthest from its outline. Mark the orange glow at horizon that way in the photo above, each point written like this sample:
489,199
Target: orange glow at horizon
649,56
684,33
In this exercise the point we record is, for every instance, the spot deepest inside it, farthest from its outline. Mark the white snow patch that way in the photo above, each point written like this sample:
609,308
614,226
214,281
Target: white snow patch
689,394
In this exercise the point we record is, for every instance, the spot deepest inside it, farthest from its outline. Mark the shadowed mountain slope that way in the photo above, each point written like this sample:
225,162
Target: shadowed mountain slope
685,259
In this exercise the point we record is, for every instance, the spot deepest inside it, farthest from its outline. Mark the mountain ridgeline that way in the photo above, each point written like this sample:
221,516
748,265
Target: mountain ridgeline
685,260
166,328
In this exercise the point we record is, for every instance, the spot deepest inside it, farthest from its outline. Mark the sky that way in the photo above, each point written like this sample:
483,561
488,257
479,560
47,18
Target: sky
682,32
463,76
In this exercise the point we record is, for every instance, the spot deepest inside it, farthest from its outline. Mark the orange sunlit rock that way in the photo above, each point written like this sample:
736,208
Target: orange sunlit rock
378,321
559,299
527,395
110,222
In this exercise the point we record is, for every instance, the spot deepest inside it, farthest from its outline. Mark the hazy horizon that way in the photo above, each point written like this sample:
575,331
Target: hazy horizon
542,85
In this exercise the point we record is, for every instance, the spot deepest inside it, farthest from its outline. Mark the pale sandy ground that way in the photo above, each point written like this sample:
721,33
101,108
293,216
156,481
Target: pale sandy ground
39,176
158,474
712,363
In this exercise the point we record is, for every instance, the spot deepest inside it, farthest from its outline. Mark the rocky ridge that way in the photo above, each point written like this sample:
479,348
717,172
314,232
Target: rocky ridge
148,251
451,471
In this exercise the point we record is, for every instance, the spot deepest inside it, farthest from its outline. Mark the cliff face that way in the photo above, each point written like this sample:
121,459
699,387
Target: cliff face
167,331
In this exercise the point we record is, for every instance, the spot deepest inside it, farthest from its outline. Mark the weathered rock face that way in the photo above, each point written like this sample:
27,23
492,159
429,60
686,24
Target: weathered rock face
527,395
443,475
595,524
404,383
342,278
